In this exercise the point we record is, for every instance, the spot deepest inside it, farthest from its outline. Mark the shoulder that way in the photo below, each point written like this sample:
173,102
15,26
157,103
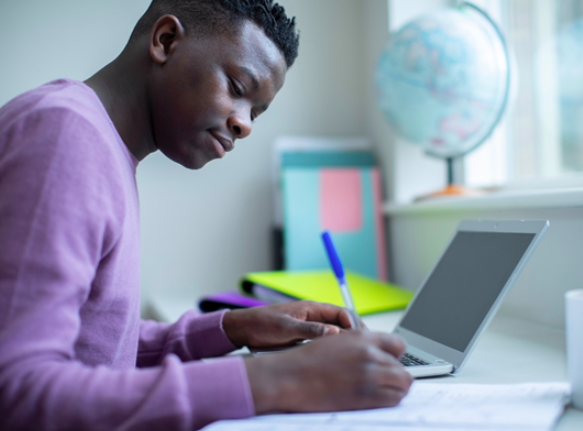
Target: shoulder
62,123
58,146
64,116
50,100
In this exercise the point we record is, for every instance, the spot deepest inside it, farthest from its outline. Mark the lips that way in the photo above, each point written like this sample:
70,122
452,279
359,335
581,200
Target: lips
225,142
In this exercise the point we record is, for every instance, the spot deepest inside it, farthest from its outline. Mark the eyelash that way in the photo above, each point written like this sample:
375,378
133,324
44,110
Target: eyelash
236,89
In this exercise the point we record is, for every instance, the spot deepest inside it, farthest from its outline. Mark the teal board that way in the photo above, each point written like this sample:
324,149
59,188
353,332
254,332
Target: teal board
301,189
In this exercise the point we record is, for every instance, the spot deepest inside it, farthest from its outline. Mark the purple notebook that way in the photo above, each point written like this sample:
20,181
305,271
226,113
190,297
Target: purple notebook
218,301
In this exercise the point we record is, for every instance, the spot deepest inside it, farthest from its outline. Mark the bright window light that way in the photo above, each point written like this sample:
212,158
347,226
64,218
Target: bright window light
541,138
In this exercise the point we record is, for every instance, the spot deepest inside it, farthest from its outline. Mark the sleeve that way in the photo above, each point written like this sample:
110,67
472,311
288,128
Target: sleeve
193,336
54,230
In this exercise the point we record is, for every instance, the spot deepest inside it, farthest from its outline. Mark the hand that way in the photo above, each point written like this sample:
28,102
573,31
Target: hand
354,370
281,324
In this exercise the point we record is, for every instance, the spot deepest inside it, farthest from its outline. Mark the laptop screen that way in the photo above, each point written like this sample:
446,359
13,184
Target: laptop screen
464,285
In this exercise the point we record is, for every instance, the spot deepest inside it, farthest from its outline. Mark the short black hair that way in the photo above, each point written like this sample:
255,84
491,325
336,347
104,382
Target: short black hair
207,17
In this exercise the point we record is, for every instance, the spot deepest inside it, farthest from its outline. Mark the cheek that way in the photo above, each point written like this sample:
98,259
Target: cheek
197,109
184,107
174,114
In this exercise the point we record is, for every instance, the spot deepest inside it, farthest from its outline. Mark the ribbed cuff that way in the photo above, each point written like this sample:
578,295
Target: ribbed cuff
219,389
206,337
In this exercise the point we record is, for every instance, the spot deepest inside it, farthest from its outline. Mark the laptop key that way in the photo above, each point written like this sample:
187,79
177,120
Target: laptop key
409,360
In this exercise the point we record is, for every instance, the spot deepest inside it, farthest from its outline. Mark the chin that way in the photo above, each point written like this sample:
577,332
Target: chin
193,163
189,159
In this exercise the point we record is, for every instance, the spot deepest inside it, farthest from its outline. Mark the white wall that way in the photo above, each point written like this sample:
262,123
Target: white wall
201,230
45,40
555,266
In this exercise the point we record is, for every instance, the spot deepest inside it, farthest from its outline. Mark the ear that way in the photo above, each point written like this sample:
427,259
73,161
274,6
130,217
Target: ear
167,31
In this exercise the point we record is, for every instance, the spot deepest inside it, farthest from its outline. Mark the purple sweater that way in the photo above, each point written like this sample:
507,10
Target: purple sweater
74,354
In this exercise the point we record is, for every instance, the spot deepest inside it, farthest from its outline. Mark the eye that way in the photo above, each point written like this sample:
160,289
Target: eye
236,88
253,116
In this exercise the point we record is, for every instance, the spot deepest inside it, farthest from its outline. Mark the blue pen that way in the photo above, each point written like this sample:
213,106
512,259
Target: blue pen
339,273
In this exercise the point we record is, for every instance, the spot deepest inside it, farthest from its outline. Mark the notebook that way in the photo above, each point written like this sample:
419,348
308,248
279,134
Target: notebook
433,407
370,295
463,291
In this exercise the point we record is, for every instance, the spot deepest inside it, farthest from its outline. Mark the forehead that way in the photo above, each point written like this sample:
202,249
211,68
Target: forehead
248,47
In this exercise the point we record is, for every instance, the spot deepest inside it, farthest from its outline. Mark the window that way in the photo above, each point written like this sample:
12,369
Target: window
541,137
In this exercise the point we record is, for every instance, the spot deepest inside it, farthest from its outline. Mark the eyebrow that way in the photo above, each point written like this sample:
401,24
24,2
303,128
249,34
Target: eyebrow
251,75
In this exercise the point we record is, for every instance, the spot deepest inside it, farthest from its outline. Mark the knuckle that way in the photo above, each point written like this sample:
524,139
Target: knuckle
369,335
399,344
312,304
367,352
364,337
315,330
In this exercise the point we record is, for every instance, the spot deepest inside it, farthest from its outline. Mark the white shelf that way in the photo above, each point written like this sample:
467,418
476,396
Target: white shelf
510,199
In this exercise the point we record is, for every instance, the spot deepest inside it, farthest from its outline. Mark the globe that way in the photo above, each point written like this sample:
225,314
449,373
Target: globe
443,80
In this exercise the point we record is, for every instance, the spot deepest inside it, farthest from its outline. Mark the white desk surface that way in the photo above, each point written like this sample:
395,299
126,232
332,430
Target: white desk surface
510,351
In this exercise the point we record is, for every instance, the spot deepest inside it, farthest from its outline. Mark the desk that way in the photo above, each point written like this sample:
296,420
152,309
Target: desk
510,351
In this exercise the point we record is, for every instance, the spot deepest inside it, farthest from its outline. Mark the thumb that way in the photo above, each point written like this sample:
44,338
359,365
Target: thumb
311,330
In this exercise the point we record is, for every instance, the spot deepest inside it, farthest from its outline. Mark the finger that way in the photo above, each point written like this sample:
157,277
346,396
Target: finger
393,376
311,330
388,397
389,372
327,313
389,343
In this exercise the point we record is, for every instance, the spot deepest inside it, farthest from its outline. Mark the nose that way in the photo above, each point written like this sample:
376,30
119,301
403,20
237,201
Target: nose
240,126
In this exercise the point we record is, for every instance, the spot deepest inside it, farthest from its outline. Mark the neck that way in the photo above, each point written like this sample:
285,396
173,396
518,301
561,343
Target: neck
122,89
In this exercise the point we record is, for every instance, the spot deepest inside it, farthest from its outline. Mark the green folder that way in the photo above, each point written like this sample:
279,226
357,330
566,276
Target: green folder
370,295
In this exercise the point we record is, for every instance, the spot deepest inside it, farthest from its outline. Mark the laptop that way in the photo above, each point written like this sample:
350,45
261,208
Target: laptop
463,291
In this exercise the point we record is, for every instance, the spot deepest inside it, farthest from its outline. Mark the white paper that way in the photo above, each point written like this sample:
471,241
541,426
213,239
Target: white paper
435,407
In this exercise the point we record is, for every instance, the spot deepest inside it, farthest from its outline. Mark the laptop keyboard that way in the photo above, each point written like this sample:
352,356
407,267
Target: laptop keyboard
409,360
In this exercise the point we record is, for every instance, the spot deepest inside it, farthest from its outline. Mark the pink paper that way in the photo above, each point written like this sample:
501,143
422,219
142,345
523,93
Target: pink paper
341,200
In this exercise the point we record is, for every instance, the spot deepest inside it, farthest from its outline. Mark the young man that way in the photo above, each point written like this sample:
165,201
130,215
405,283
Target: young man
73,351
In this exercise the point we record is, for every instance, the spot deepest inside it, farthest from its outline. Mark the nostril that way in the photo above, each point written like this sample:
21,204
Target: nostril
237,130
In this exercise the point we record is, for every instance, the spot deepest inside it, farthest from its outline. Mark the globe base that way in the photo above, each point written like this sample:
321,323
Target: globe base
452,190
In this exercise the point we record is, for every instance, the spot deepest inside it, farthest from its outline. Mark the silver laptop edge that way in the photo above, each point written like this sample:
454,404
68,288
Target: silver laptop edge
441,358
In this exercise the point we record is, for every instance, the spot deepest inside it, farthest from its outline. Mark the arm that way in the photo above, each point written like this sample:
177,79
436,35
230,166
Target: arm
193,336
357,369
53,238
196,336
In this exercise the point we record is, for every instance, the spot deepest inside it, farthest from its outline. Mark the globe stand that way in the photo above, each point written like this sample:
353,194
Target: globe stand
452,189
